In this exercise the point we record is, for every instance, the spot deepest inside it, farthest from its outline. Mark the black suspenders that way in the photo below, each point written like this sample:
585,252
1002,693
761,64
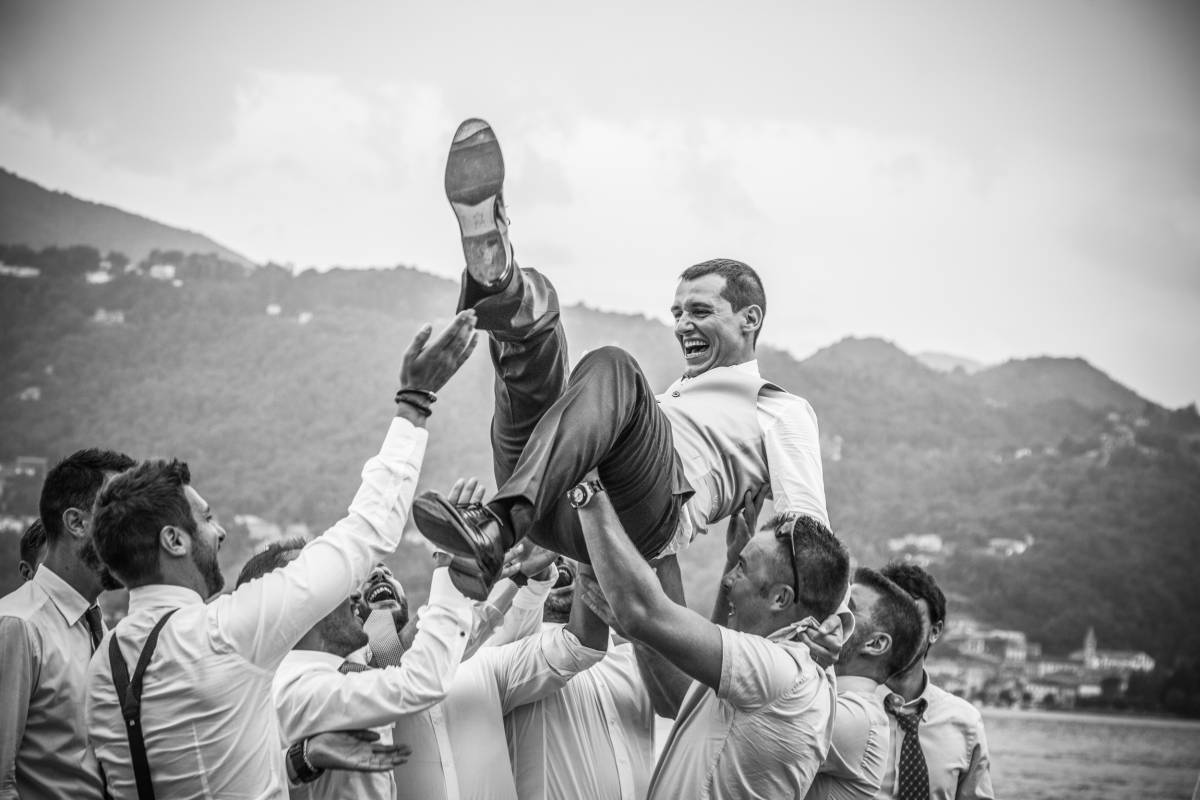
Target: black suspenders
129,693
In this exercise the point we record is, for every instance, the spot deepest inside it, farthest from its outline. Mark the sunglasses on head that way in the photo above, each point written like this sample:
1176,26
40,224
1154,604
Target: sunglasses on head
787,530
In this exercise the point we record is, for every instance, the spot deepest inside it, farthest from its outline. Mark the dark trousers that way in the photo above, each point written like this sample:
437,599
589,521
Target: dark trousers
549,430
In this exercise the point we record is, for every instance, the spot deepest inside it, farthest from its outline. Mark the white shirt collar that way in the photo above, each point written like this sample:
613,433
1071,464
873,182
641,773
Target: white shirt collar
70,603
749,367
158,595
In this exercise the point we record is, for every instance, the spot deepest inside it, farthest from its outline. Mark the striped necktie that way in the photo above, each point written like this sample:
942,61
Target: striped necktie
352,666
912,770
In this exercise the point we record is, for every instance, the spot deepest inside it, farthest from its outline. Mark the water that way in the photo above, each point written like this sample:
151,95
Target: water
1039,755
1043,755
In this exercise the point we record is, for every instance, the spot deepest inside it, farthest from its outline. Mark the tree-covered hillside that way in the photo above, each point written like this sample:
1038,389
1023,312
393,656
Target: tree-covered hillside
277,411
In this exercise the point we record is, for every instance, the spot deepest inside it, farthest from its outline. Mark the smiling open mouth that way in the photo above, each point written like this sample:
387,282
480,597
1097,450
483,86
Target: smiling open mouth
693,348
381,592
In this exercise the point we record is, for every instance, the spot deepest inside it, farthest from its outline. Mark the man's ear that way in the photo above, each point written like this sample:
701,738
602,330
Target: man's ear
752,318
935,631
25,569
878,643
174,540
781,596
75,522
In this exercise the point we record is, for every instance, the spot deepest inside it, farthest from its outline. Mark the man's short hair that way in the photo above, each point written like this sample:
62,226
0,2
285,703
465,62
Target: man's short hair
895,613
743,287
822,563
73,483
32,541
920,585
269,560
131,513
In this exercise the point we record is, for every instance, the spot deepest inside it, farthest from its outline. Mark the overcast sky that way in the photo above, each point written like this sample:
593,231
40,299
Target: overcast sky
992,180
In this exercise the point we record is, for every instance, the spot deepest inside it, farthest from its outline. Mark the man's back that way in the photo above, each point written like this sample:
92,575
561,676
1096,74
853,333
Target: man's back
763,734
594,738
44,652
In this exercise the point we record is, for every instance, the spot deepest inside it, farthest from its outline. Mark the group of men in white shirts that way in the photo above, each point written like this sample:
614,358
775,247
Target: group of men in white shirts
526,674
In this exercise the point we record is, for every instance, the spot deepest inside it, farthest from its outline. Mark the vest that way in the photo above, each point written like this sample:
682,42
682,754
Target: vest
714,422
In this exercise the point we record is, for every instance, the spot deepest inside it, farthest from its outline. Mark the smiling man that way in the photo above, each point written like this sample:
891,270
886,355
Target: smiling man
672,465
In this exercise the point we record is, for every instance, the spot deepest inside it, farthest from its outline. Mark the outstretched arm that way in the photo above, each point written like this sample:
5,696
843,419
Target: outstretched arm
641,607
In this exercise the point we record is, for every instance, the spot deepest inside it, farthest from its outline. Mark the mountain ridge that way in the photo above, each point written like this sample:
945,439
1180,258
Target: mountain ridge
33,215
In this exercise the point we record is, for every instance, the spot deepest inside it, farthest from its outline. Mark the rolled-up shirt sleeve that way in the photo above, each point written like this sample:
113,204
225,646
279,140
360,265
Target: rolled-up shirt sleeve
264,618
17,666
793,447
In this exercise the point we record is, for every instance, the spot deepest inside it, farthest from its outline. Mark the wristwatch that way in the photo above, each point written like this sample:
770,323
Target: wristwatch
582,493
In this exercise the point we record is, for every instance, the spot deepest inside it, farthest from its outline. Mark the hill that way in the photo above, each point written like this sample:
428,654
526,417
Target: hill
277,387
947,362
1032,382
38,217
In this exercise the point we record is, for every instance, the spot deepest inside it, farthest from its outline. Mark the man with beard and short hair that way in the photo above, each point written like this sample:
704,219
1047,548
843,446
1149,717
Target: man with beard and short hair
318,688
48,629
205,720
887,632
945,756
33,548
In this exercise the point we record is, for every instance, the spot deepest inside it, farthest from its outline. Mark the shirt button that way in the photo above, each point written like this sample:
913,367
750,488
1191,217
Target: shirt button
675,394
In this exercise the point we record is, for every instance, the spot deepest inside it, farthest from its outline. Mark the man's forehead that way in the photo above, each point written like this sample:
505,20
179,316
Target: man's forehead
862,597
197,502
706,288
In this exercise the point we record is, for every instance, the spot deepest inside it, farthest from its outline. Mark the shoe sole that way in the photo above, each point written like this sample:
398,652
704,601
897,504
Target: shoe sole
474,181
438,522
468,580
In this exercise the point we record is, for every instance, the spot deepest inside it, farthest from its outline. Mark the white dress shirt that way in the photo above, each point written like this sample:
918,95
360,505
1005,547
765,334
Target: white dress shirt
763,733
459,748
207,714
858,754
792,447
45,645
312,696
594,738
955,748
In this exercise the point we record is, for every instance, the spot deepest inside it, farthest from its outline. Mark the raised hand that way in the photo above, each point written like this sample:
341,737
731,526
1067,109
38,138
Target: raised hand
529,558
825,641
742,522
357,751
429,364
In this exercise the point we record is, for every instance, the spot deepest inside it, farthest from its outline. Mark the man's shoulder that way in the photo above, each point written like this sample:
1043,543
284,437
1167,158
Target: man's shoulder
951,706
25,603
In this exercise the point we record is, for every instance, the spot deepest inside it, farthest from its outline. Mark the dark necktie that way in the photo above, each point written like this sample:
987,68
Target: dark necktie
95,625
351,666
912,769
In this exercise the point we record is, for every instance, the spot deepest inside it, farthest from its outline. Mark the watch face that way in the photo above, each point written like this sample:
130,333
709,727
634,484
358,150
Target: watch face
576,496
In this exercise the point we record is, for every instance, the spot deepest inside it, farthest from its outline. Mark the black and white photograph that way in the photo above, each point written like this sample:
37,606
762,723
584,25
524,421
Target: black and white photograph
626,401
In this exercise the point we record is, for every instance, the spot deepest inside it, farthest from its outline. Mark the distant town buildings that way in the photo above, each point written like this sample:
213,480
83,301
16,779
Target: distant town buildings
106,317
1003,666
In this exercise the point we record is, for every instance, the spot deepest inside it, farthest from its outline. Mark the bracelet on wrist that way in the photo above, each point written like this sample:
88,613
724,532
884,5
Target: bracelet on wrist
424,411
427,397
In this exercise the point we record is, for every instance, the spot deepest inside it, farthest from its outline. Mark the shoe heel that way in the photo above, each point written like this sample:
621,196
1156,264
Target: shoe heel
472,586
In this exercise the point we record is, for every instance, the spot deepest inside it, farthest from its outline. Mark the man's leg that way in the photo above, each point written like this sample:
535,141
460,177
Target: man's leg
529,352
518,308
607,419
